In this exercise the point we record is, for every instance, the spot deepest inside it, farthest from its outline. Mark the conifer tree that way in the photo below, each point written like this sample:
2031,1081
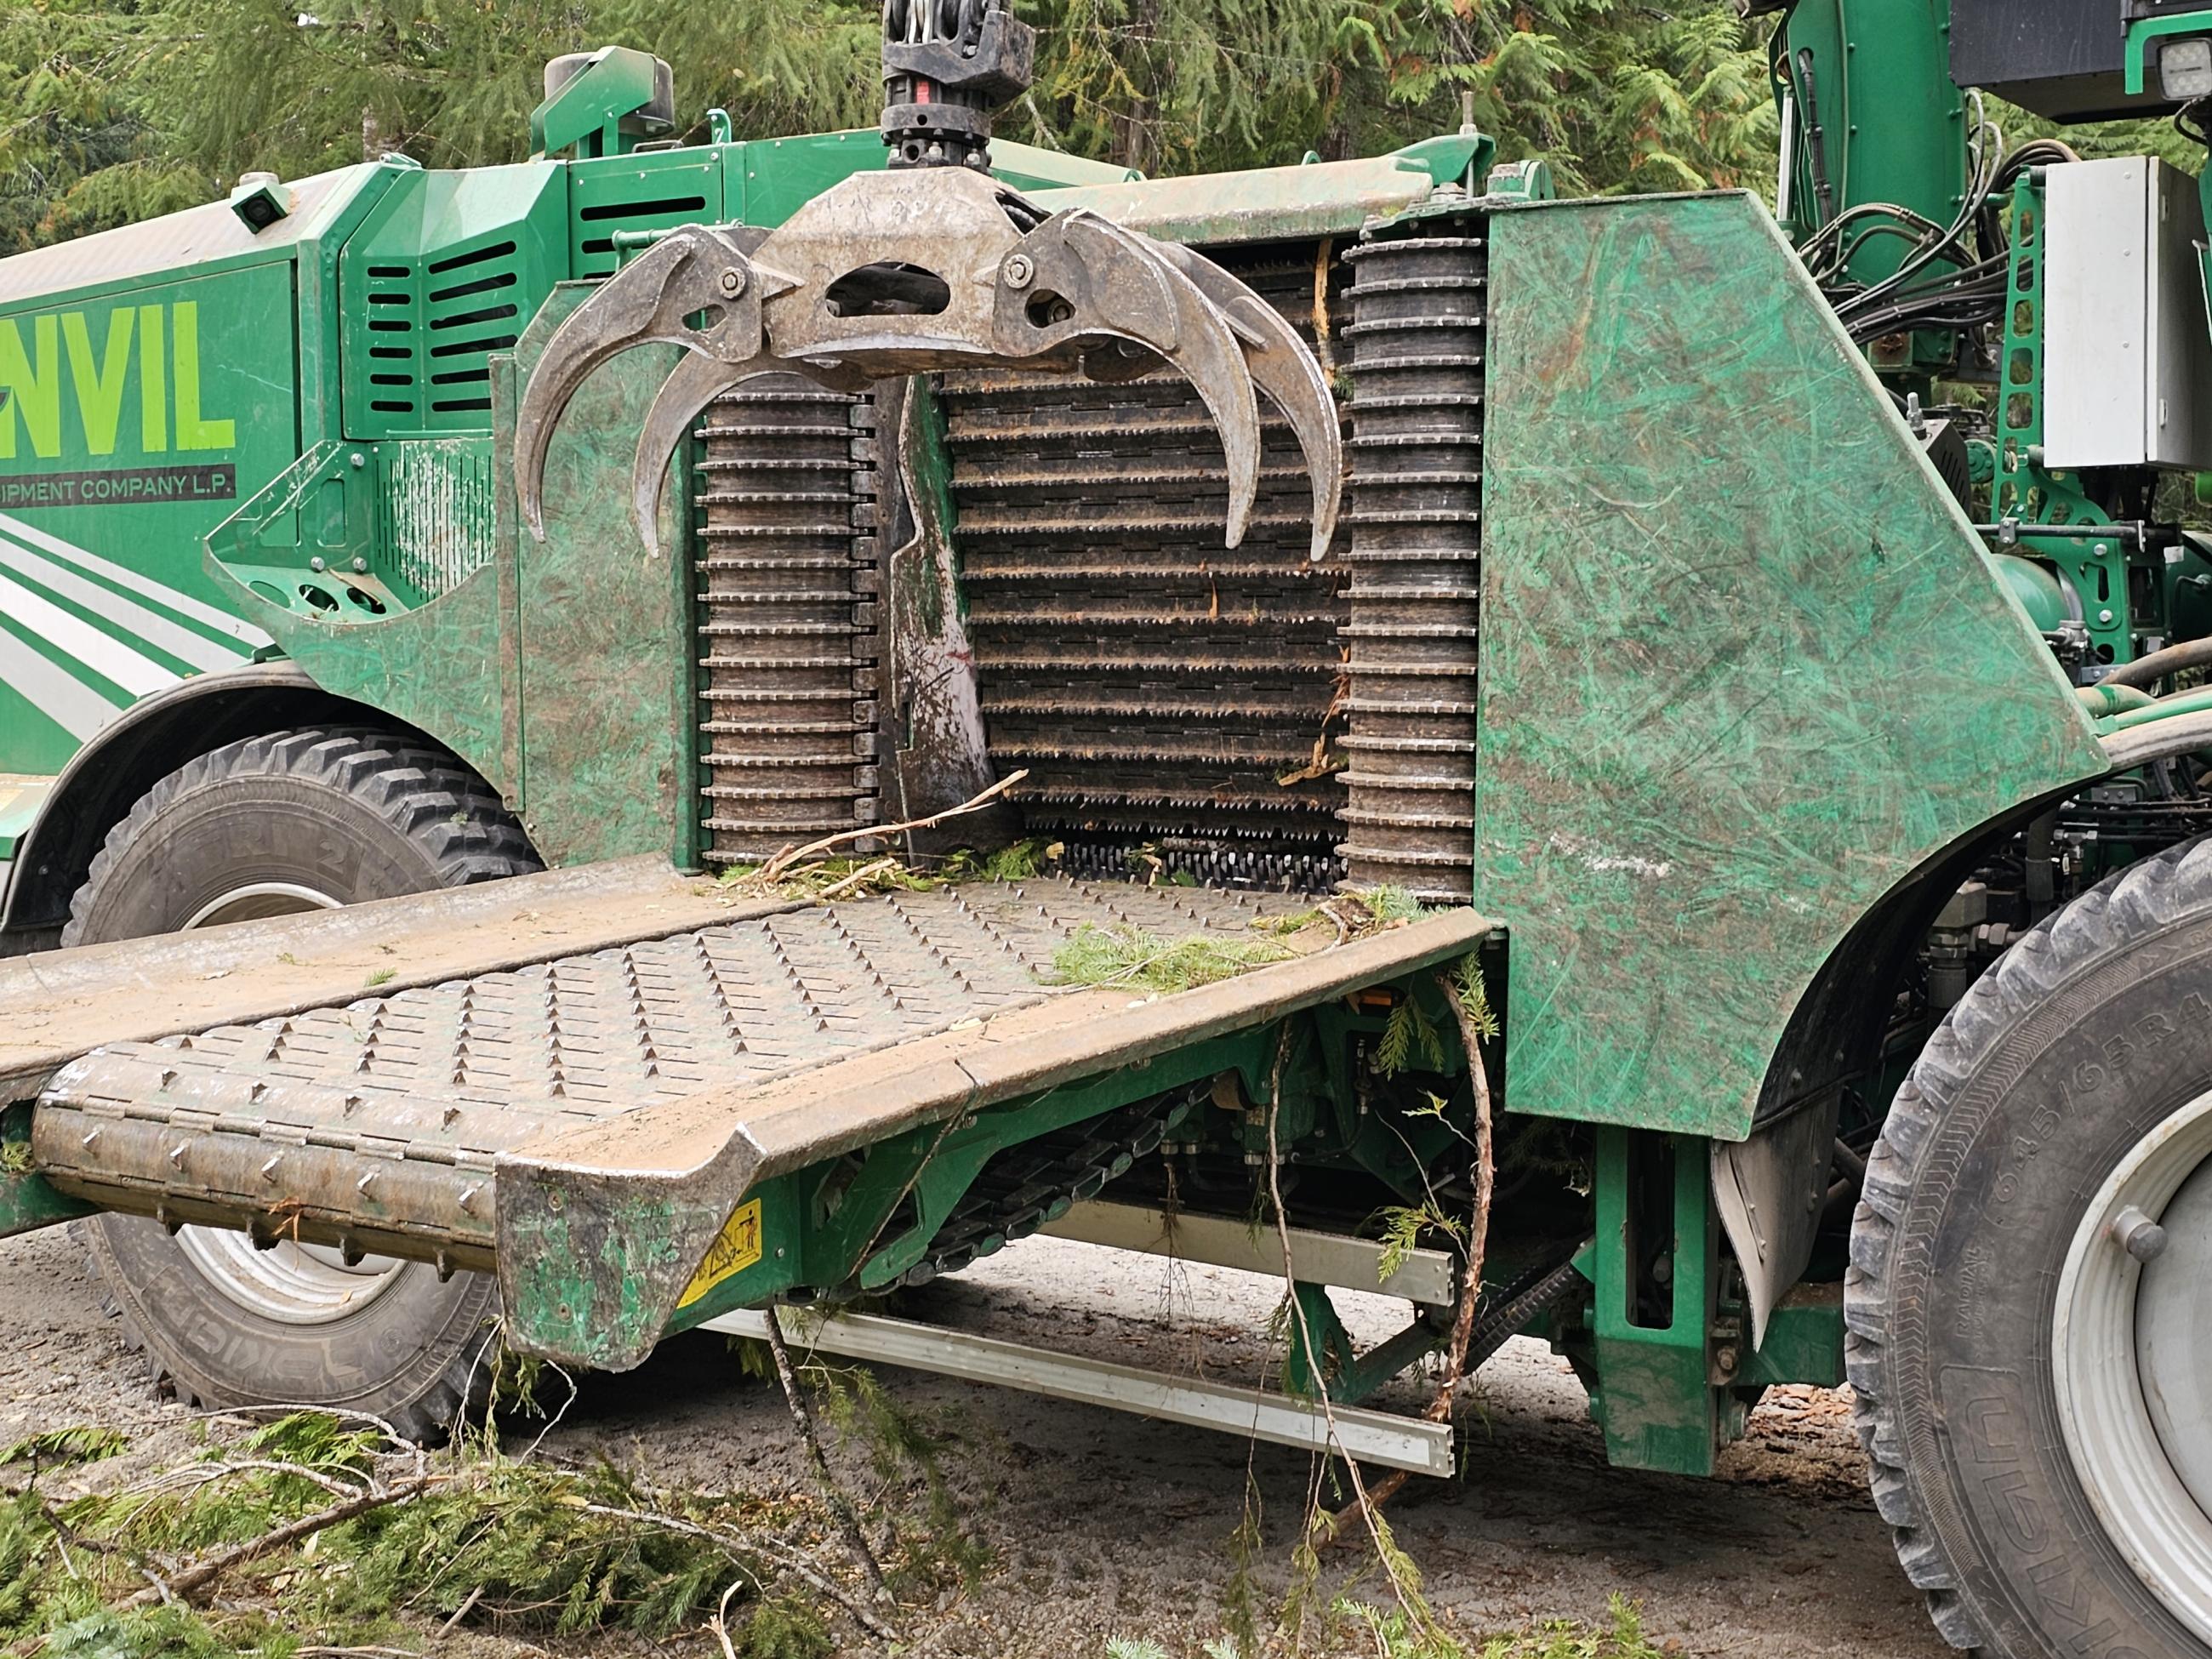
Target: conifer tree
1616,94
121,111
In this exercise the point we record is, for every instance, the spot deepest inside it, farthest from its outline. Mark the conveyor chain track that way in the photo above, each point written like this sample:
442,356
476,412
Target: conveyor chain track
1027,1186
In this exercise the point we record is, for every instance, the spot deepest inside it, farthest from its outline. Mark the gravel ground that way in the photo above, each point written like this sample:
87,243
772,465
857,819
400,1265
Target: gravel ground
1098,1523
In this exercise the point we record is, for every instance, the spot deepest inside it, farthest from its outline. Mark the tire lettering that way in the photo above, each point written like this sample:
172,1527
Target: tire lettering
1976,1265
2070,1600
2064,1598
1988,1419
1991,1438
2014,1508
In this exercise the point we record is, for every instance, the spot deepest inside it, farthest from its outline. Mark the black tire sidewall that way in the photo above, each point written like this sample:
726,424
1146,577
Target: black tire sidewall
2026,1137
295,808
387,1359
229,831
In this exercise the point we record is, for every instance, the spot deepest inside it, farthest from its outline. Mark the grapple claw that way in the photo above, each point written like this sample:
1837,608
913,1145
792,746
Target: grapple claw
692,271
897,274
1286,371
697,381
1078,279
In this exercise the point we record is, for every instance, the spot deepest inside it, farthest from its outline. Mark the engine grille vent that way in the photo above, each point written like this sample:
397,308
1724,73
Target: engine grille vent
391,361
431,327
472,303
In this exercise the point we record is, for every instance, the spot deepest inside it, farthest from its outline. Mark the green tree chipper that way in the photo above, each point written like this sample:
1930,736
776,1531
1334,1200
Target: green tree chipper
1683,785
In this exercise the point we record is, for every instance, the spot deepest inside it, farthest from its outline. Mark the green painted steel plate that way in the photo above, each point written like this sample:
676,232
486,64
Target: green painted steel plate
1745,665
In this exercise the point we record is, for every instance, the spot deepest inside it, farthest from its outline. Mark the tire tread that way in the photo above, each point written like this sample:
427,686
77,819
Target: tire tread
432,797
2172,886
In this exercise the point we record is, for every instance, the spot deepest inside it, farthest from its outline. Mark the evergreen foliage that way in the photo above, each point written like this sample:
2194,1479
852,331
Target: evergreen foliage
117,111
1141,960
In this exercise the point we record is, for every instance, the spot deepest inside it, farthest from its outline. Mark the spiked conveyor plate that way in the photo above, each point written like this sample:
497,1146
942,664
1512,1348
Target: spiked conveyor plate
381,1119
435,1122
58,1004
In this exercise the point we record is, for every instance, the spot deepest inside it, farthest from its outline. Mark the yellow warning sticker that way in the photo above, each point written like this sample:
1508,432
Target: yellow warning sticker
735,1248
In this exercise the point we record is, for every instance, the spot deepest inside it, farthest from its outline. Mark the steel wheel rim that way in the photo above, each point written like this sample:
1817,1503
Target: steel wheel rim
2105,1391
291,1283
258,900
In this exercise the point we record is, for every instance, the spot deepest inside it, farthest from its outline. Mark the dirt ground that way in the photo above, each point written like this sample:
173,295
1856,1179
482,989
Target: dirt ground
1099,1524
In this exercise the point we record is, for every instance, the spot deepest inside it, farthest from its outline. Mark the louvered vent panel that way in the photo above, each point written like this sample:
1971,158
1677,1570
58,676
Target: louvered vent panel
472,306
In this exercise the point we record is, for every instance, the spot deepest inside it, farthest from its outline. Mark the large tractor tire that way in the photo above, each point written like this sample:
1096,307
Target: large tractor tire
291,822
2030,1300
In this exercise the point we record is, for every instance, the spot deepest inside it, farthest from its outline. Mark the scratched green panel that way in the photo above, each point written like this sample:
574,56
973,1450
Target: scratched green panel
1744,665
436,664
605,660
557,669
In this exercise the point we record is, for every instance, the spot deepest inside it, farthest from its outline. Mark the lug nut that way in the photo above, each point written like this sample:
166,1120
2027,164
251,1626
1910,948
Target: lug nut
1017,270
2138,1234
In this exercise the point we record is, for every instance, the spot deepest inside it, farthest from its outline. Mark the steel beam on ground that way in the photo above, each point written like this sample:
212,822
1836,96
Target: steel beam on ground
1366,1436
1316,1258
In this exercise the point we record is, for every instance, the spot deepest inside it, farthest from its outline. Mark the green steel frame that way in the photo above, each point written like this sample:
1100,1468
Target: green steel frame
1713,554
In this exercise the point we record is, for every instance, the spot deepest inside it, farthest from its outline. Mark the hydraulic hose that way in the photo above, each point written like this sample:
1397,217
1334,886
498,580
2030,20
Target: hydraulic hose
2148,670
2104,700
2160,740
2165,708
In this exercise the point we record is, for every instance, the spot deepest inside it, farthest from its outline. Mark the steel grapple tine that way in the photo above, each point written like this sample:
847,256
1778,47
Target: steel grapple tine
1112,282
1288,372
693,269
561,372
694,384
1205,349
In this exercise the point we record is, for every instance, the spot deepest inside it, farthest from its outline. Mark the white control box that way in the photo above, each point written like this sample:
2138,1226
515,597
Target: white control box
2127,353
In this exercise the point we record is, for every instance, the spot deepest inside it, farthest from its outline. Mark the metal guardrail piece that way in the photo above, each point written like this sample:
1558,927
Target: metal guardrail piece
1368,1437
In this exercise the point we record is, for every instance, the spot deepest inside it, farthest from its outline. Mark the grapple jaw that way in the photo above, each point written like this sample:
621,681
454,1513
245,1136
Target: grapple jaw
696,289
909,272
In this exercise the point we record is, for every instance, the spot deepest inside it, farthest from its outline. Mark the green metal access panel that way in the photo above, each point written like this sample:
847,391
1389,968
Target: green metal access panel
654,190
446,270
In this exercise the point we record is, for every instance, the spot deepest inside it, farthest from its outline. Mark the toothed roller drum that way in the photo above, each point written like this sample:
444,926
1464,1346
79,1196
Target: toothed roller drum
1418,309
